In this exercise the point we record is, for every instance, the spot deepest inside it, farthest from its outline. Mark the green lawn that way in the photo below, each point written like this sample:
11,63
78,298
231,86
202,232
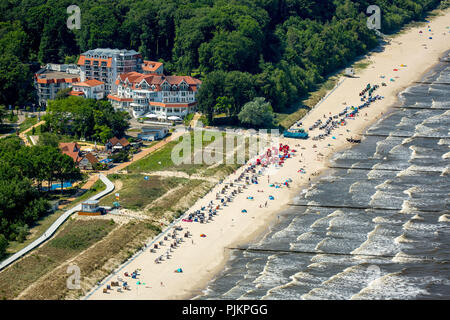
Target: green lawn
136,192
76,236
161,160
27,123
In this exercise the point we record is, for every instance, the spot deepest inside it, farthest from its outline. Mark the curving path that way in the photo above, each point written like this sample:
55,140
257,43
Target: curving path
50,231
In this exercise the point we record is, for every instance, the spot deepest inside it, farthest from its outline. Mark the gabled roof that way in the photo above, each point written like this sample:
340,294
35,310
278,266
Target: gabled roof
123,141
91,158
68,149
152,79
151,66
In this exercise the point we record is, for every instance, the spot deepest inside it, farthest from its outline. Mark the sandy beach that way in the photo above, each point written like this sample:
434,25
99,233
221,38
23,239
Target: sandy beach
201,258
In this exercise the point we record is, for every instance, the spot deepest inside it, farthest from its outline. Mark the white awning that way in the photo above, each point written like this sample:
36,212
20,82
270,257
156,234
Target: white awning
174,118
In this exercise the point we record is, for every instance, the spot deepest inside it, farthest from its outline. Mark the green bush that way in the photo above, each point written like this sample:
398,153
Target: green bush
3,245
22,233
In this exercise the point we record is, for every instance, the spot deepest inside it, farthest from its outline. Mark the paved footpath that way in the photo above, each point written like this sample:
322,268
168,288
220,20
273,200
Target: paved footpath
50,231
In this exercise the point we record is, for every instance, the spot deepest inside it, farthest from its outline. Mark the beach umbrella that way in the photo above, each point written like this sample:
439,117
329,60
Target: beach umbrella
203,235
271,198
430,38
151,116
146,178
244,211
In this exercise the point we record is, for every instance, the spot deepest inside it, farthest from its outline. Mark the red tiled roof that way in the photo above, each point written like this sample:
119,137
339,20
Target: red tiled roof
91,158
61,80
151,66
76,93
68,149
172,105
123,141
89,83
82,61
110,96
157,80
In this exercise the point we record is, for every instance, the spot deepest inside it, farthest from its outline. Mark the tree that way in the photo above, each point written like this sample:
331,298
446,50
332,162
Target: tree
48,139
3,245
121,156
223,105
257,113
3,113
65,170
62,93
22,233
16,84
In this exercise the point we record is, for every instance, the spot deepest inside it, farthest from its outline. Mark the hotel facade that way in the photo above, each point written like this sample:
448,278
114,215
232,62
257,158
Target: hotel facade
106,64
159,95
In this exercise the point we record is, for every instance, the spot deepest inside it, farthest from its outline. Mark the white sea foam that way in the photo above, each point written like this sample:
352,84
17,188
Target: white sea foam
444,218
398,286
412,190
417,217
402,239
407,208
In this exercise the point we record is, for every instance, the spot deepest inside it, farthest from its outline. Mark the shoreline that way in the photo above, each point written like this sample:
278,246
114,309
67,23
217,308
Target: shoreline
271,220
201,269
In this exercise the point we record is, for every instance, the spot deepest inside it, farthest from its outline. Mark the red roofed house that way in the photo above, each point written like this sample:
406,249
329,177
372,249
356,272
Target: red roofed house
92,89
114,144
152,67
72,149
87,162
156,94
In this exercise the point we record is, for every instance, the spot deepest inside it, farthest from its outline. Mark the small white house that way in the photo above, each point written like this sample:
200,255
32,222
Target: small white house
91,89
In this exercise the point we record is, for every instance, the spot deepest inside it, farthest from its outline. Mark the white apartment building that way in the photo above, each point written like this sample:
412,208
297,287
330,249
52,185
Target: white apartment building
91,89
106,64
52,78
159,95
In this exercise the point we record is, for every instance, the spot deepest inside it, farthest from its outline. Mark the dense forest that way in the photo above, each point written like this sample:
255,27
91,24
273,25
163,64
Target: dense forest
242,49
23,173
